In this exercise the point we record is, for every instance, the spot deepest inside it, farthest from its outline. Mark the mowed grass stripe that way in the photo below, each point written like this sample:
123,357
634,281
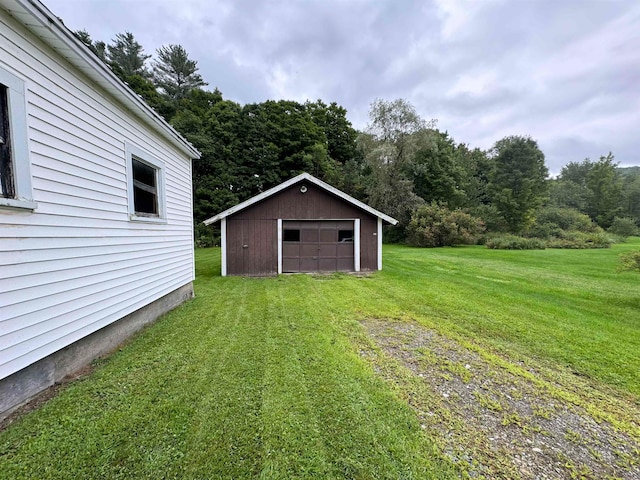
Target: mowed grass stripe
293,446
334,418
225,434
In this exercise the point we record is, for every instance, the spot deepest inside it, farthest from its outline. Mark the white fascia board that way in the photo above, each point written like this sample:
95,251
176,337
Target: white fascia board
292,181
45,25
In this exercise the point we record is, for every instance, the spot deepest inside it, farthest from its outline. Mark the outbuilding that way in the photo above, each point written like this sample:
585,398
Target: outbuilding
96,220
301,225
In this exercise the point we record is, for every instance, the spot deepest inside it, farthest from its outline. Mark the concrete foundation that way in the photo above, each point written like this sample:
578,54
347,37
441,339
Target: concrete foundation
18,388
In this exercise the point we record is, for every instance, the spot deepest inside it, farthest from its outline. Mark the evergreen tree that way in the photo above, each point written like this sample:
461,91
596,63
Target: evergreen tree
97,47
174,73
126,57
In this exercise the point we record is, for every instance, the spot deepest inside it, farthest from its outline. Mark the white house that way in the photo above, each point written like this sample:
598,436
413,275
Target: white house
95,206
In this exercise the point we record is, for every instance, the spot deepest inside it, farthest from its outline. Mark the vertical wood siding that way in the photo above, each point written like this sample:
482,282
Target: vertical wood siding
290,204
77,264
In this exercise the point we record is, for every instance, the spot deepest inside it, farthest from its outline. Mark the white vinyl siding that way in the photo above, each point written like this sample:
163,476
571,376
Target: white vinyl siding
77,262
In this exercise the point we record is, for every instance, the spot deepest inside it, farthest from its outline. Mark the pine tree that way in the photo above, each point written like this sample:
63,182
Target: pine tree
174,73
125,56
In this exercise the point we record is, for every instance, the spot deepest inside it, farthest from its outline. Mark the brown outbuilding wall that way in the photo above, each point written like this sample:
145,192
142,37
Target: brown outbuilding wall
252,233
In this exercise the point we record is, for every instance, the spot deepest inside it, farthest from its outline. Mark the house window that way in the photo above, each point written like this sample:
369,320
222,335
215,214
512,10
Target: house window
15,167
345,236
291,235
146,186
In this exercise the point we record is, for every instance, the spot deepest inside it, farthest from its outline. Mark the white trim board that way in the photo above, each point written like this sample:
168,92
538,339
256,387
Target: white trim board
302,177
356,244
223,245
279,245
379,234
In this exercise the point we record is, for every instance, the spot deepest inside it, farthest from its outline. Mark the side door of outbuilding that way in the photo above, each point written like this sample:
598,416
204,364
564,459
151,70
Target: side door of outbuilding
251,247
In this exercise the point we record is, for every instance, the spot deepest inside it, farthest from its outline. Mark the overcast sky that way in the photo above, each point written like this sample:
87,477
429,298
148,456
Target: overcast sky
565,72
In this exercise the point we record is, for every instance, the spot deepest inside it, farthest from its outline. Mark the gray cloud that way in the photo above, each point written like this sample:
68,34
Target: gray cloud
565,73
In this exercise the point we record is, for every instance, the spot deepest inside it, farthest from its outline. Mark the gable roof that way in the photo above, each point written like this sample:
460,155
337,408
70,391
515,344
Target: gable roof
311,179
37,18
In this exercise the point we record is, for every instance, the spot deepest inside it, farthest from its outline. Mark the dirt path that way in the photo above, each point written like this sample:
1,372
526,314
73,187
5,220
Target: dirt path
494,422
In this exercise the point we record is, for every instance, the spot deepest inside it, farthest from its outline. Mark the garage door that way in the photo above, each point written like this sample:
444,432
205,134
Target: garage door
317,246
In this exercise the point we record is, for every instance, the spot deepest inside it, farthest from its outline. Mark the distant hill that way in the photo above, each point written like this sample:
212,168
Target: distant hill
624,171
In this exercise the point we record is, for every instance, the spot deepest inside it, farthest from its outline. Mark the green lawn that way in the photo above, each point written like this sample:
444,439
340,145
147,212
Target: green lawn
263,378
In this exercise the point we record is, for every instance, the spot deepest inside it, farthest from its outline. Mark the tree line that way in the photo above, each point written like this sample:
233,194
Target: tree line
400,164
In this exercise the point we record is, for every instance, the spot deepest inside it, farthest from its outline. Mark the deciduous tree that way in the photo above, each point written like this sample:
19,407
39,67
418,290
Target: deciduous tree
518,182
605,189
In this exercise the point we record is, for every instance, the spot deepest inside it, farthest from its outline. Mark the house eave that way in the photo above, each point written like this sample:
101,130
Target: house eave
36,18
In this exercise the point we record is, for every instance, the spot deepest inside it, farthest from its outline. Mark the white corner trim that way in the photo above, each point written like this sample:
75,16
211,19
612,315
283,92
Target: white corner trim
379,233
223,247
356,244
279,245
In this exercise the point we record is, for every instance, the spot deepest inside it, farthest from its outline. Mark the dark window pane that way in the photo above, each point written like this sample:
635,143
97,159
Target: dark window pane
144,173
145,193
345,235
6,165
291,235
144,202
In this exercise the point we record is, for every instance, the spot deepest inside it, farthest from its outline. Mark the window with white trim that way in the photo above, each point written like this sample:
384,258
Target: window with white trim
146,186
15,166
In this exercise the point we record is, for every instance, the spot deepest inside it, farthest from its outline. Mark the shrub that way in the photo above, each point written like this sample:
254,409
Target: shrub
203,236
514,242
630,261
580,240
623,227
550,221
435,225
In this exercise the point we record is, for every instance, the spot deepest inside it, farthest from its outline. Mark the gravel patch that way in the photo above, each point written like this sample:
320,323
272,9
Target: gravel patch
495,423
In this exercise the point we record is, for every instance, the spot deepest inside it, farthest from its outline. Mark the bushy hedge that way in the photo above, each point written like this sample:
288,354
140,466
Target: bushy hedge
567,228
554,222
623,227
580,240
630,261
514,242
436,225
